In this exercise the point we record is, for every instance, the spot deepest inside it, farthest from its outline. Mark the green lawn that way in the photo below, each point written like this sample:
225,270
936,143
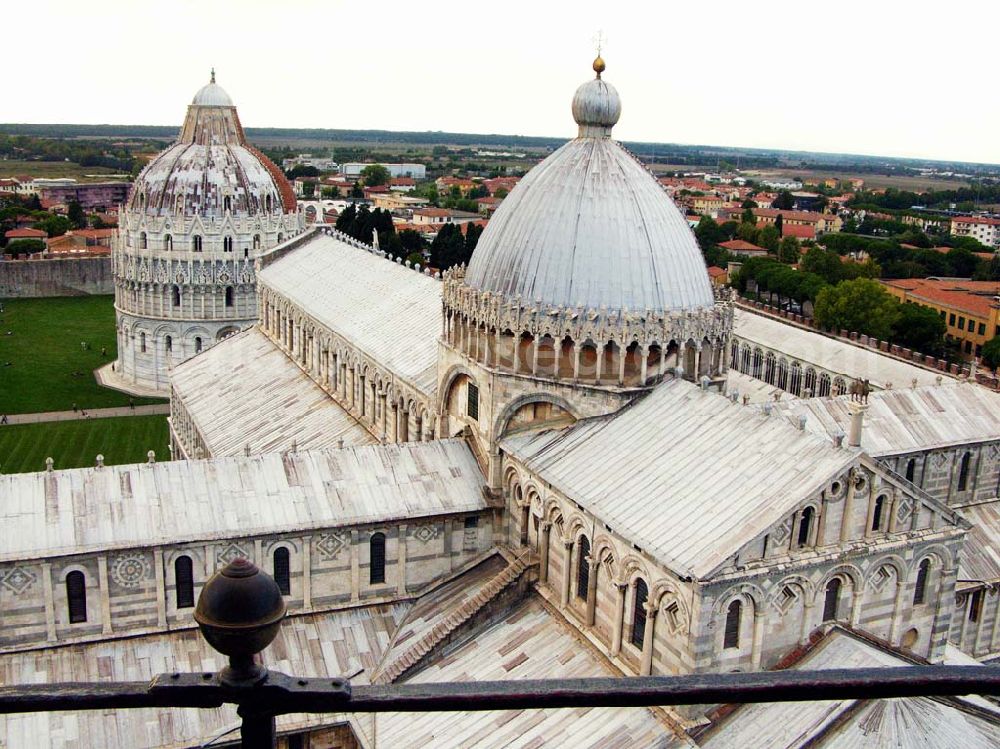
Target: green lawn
75,444
49,370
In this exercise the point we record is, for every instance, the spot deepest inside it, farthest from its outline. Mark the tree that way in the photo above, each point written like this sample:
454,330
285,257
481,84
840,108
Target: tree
861,305
747,216
779,224
784,201
770,238
748,204
991,353
708,233
963,262
75,214
789,250
824,263
346,219
308,189
54,226
479,191
301,170
375,174
448,248
330,193
501,193
356,191
24,247
411,241
919,328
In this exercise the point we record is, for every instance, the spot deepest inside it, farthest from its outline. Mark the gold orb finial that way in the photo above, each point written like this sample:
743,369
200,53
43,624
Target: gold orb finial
599,65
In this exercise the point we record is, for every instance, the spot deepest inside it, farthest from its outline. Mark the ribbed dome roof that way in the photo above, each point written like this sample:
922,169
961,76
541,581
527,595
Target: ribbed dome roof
210,163
591,227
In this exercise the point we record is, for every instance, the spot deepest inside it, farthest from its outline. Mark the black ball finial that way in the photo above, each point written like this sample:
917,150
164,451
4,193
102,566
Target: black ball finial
239,612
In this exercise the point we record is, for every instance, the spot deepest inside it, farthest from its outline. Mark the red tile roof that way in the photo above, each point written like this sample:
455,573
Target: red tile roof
739,244
975,297
977,220
26,234
715,271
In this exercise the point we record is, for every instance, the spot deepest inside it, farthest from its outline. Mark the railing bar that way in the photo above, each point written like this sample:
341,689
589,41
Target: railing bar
282,694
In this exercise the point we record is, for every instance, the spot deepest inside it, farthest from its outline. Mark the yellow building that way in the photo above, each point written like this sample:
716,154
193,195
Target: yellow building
969,308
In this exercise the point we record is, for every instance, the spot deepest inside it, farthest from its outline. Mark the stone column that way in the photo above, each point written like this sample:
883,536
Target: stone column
594,566
758,638
567,564
50,602
161,588
395,422
856,595
643,365
534,356
306,573
616,634
846,520
385,426
647,639
401,561
355,568
404,424
807,612
697,363
576,361
543,552
622,355
600,364
897,611
102,580
517,351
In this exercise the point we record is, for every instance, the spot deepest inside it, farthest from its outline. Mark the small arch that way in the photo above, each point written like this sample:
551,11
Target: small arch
229,296
282,573
142,342
920,588
832,601
175,300
805,526
878,514
76,597
168,242
963,471
376,556
184,582
196,243
582,568
227,244
911,469
169,342
143,242
227,203
734,614
639,613
256,241
197,344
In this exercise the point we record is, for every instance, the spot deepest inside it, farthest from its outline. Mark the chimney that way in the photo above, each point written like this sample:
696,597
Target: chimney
857,411
802,422
838,439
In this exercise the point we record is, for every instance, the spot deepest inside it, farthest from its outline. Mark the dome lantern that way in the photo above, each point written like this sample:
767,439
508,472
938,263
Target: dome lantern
596,105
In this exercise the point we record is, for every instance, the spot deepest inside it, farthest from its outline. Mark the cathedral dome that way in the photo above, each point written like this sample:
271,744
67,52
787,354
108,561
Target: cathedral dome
211,169
591,227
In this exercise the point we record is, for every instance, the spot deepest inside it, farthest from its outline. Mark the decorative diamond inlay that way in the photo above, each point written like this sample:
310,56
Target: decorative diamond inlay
330,545
426,533
17,580
228,553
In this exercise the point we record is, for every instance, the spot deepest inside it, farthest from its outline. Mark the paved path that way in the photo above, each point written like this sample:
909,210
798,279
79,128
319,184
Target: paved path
93,413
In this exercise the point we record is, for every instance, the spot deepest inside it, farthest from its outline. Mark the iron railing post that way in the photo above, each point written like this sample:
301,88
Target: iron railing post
257,730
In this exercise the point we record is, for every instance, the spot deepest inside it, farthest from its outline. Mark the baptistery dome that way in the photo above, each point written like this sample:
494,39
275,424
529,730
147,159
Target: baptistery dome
590,227
211,168
183,256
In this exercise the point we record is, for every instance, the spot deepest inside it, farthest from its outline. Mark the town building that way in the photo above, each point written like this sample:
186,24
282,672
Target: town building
817,223
983,228
92,196
183,258
970,309
416,171
742,247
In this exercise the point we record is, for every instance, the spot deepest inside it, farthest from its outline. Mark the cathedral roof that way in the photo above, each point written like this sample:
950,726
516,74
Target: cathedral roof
691,494
391,313
140,505
591,227
211,168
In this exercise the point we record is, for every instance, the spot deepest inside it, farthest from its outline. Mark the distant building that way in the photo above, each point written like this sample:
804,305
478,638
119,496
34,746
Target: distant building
970,309
307,159
819,223
986,230
707,205
91,196
417,171
425,216
741,247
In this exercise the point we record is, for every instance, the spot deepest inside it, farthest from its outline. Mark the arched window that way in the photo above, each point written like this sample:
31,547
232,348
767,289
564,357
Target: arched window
832,600
281,573
267,204
168,242
142,240
376,554
879,511
229,296
583,568
795,379
920,589
76,597
805,525
256,241
281,237
824,385
184,581
227,244
963,472
196,243
227,203
170,343
176,300
639,613
197,344
142,342
731,638
810,381
911,468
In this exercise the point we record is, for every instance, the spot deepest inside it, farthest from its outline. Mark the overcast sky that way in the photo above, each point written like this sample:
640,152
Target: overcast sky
877,77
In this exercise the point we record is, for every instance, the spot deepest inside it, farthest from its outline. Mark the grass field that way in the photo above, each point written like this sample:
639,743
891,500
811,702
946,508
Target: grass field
75,444
51,169
916,183
49,369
